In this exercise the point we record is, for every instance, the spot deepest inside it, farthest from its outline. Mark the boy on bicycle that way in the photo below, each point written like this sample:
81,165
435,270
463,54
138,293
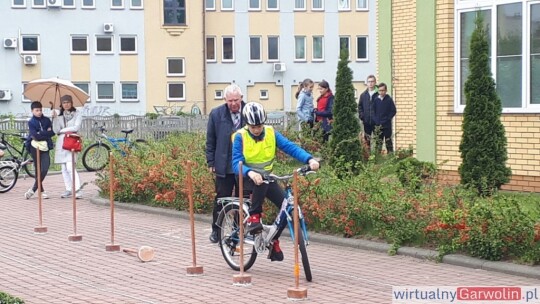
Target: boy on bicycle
255,146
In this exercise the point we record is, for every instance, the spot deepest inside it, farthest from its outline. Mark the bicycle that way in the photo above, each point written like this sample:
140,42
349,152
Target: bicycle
13,162
229,230
96,156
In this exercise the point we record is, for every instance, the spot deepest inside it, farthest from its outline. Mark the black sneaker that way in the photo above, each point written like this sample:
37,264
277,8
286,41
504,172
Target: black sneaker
214,236
276,254
254,228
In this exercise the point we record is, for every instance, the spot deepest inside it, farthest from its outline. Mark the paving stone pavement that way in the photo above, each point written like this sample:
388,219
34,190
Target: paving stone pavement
47,268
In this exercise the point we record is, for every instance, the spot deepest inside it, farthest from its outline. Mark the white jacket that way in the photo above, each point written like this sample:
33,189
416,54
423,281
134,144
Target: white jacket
73,125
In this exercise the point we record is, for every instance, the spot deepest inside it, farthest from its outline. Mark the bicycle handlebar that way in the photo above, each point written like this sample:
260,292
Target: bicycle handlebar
303,171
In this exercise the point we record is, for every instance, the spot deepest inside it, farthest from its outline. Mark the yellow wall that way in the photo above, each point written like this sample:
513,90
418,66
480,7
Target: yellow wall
129,68
31,72
275,96
80,68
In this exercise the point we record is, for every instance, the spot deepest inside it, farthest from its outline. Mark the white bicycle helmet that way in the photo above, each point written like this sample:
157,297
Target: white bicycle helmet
254,114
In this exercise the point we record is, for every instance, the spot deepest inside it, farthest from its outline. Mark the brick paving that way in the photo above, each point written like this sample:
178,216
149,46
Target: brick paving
47,268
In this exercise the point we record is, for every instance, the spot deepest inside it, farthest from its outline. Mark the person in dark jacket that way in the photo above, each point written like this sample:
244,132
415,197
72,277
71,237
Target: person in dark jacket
39,129
385,110
224,120
366,109
323,112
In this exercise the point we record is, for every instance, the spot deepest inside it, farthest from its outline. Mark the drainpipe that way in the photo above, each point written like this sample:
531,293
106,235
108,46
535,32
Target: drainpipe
392,65
205,85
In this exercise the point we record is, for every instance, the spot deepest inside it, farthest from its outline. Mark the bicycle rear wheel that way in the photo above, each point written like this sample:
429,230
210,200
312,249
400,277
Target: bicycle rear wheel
8,177
29,167
96,157
229,235
303,251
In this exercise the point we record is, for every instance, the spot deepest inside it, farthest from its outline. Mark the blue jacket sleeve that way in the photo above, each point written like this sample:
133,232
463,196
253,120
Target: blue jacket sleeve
35,132
328,110
292,149
238,155
211,140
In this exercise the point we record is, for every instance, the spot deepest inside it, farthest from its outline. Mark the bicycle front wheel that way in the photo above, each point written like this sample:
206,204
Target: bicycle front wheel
229,234
96,157
29,167
8,178
303,252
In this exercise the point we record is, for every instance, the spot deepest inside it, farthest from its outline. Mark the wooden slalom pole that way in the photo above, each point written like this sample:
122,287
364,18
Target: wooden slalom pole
112,246
40,228
296,292
74,237
241,278
193,270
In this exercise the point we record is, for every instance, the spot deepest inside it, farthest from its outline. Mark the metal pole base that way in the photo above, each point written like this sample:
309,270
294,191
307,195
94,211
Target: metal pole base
40,229
75,238
194,270
242,279
297,293
112,248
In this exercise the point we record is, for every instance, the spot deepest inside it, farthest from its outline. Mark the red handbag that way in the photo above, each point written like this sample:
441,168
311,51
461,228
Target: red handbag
72,142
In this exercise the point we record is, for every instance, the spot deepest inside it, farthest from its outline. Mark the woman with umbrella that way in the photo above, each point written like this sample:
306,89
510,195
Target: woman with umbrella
69,120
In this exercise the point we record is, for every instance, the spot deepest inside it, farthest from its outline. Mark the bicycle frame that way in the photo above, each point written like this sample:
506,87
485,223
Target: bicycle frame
13,154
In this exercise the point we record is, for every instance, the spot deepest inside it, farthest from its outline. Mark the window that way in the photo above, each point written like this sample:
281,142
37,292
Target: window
362,48
104,44
361,5
69,4
273,48
129,92
128,45
30,44
88,4
317,5
263,94
513,30
299,5
218,94
117,4
210,5
175,91
175,67
227,5
175,12
18,3
255,49
272,5
79,44
343,5
318,48
300,48
39,4
105,92
228,49
345,44
254,5
85,86
24,98
136,4
211,49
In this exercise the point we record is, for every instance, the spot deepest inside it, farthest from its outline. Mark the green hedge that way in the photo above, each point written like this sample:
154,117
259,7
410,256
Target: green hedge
8,299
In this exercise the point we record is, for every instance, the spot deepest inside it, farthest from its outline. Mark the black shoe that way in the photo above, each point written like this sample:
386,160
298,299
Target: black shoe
276,256
254,228
214,236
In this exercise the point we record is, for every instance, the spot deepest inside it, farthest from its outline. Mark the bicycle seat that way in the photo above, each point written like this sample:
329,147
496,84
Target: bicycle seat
127,131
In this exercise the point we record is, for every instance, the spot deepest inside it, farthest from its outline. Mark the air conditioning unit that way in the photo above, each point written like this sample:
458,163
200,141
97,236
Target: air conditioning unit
5,94
279,67
108,27
30,59
54,3
10,43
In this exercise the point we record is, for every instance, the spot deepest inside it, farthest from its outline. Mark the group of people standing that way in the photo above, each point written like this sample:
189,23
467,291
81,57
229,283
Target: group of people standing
42,129
307,113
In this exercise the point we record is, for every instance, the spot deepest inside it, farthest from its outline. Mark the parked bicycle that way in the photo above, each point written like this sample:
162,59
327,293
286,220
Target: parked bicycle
96,156
15,160
229,229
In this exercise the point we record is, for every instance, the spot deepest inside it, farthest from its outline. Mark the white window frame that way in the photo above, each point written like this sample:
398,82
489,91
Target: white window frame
313,48
264,94
169,98
183,62
38,51
98,99
64,5
297,9
218,94
313,8
342,8
469,6
88,6
227,8
210,8
136,7
305,49
268,49
23,98
259,8
272,9
120,51
23,5
348,45
367,49
104,52
87,44
206,48
117,7
260,49
362,9
223,49
34,5
122,99
78,83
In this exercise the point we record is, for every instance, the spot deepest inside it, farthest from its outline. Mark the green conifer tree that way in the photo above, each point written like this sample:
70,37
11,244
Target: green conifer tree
483,142
345,142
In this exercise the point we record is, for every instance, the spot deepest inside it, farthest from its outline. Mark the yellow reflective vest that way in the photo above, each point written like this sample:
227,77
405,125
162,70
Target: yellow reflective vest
259,155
